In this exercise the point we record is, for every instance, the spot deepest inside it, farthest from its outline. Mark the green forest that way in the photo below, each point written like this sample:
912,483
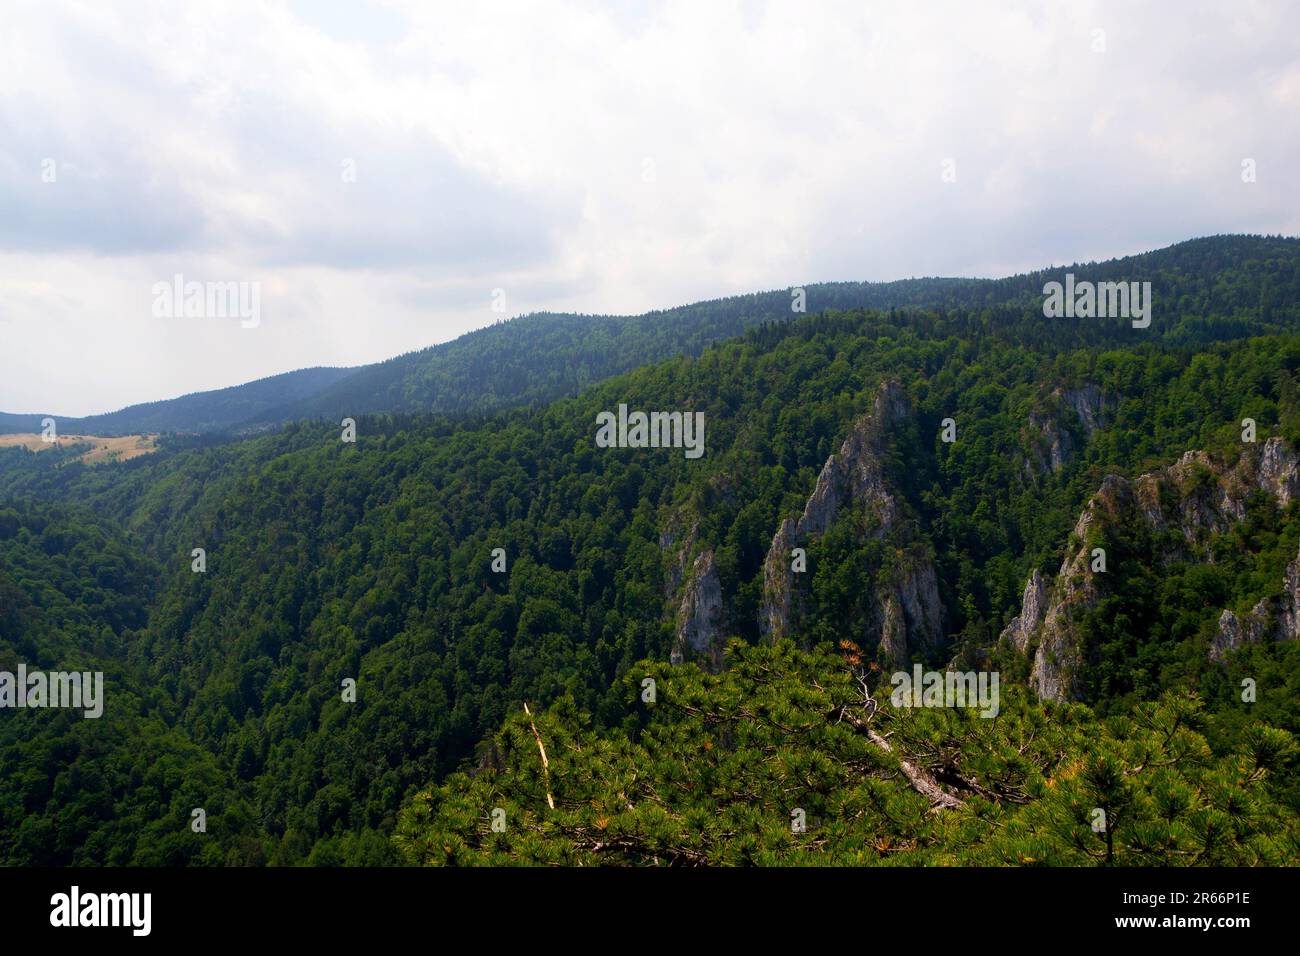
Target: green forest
330,562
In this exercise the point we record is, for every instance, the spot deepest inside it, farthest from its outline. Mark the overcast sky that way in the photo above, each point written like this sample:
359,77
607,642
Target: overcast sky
589,157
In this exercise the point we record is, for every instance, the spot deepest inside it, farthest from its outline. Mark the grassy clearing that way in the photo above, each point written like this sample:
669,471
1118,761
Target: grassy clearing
115,448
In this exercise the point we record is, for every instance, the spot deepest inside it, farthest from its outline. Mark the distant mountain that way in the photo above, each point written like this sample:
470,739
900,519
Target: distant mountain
537,358
218,410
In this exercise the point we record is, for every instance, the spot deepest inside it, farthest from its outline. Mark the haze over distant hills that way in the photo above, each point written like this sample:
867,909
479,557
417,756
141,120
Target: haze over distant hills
539,357
199,412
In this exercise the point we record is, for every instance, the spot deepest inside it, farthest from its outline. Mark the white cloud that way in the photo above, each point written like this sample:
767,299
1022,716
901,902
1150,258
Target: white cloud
587,157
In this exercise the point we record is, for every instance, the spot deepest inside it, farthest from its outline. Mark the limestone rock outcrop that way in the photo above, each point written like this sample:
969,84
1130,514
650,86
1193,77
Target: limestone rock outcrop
1051,441
698,635
1275,618
909,612
1193,497
1088,403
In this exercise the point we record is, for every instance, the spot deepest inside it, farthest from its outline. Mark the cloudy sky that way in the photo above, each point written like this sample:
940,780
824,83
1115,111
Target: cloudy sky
380,169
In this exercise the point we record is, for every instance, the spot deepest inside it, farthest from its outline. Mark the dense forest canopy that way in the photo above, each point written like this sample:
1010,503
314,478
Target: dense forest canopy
329,561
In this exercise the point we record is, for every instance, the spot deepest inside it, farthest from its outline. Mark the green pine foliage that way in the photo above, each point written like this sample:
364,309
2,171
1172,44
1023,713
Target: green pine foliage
718,768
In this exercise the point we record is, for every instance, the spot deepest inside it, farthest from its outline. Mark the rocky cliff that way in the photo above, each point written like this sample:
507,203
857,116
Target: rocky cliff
1050,443
909,613
693,594
1087,402
1033,610
1051,447
1274,618
1183,504
697,634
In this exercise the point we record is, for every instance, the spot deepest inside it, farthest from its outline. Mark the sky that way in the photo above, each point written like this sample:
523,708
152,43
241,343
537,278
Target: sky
388,176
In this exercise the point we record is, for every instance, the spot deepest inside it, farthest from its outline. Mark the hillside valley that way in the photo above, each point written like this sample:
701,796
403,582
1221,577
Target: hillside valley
947,463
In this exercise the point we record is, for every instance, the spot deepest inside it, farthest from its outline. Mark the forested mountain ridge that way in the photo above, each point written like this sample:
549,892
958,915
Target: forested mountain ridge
218,410
372,561
1251,284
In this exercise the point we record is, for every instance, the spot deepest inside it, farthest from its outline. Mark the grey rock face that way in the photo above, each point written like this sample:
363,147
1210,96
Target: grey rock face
698,636
1272,618
853,474
1279,471
1051,447
916,595
1288,613
1192,496
1058,654
1033,609
1234,632
681,542
1088,403
910,614
1287,608
774,613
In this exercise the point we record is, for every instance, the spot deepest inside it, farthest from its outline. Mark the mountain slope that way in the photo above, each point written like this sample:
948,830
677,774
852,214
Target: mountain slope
538,358
117,788
218,410
373,562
